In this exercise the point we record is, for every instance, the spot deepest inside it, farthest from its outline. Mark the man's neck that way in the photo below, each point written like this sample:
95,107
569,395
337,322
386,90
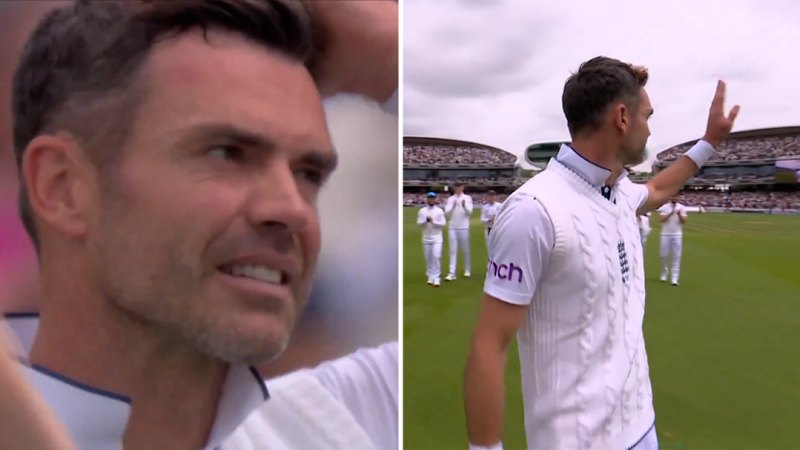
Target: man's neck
596,150
174,390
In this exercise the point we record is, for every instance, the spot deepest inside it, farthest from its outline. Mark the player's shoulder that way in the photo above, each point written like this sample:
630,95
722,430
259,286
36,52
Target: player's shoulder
522,209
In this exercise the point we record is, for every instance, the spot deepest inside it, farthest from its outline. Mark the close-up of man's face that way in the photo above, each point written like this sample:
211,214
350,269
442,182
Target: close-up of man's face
206,225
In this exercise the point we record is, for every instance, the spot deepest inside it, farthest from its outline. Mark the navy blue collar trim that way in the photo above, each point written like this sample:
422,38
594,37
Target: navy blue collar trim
21,315
584,158
642,438
261,383
79,385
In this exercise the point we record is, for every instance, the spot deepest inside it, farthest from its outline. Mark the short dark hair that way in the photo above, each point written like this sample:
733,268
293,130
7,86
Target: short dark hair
598,83
490,192
79,68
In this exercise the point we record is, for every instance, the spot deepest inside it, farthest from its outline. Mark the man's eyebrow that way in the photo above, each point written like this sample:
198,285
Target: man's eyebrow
228,133
220,133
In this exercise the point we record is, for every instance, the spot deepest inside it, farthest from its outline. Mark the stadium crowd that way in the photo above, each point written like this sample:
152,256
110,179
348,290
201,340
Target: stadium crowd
448,155
742,199
478,199
744,149
502,181
719,199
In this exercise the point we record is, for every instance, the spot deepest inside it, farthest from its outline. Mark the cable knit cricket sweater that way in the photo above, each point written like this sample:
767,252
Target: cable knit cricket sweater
585,376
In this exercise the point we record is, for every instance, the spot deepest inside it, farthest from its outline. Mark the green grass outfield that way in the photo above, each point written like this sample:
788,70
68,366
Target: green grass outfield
724,346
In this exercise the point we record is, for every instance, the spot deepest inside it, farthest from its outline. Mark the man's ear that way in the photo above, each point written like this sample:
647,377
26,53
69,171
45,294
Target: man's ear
621,117
57,175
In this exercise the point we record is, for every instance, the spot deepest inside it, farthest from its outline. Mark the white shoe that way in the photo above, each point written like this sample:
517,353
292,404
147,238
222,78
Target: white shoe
663,277
674,282
450,277
436,283
430,280
467,274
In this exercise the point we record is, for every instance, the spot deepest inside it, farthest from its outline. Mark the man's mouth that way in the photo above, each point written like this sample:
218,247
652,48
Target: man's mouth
255,272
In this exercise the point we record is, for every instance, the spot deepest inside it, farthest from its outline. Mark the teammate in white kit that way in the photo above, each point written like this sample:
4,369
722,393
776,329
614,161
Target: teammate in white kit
431,219
644,227
458,210
488,213
566,276
673,216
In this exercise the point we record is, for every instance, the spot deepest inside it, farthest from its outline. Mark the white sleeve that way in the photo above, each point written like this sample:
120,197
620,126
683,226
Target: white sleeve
366,383
439,221
484,213
421,217
469,204
639,192
520,243
448,206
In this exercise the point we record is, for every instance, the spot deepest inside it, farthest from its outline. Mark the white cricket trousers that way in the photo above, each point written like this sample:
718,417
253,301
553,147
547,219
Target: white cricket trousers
459,239
433,259
671,246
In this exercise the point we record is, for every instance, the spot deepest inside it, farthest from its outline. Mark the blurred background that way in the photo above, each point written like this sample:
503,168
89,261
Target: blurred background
354,302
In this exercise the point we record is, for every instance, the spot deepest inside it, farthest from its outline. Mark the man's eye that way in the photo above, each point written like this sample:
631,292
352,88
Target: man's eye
313,176
226,153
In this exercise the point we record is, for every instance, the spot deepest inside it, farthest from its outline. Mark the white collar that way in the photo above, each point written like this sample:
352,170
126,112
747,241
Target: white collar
593,174
96,419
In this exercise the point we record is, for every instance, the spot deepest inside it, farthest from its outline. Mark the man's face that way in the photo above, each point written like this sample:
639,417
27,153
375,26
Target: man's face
431,201
207,226
458,190
491,198
634,141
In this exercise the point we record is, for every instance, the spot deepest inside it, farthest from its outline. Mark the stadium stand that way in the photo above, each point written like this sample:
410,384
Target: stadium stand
745,173
436,164
751,145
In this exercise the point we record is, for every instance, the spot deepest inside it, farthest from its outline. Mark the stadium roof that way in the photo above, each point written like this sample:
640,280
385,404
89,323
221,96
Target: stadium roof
452,142
747,134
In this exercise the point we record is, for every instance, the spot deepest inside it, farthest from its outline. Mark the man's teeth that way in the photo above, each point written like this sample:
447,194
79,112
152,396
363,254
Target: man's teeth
259,273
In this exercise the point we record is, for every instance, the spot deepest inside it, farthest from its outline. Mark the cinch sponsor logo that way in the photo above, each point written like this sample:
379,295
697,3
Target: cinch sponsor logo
505,271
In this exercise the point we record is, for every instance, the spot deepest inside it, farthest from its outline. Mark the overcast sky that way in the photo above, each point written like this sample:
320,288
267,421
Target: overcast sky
492,71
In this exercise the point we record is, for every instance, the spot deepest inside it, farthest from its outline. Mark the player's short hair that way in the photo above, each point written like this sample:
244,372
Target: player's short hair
491,193
78,70
458,184
598,83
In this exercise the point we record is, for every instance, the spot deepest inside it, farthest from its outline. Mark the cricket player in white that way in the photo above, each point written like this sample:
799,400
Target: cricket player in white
673,216
566,276
431,219
458,210
644,227
488,213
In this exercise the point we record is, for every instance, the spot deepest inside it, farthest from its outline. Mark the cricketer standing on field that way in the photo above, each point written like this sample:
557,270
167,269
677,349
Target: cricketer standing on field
488,213
566,276
431,219
673,216
459,210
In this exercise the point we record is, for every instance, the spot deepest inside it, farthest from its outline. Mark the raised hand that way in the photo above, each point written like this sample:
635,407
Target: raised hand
356,47
719,125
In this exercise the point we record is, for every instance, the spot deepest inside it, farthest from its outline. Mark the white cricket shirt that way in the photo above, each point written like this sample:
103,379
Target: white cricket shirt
350,402
459,213
575,259
431,231
489,212
672,227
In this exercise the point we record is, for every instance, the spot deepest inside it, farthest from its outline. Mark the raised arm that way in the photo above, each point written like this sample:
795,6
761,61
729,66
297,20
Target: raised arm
670,180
